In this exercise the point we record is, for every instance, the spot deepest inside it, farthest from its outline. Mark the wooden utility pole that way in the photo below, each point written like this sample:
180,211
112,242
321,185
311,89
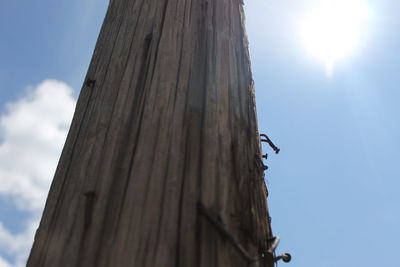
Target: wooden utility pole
161,166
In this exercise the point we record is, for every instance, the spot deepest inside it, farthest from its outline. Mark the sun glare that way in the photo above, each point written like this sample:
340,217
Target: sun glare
333,29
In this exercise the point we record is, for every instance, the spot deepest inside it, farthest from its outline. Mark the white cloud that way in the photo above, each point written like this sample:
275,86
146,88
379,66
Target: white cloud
4,263
32,133
17,245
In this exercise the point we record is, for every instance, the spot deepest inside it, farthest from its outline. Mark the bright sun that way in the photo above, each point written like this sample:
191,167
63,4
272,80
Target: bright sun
333,29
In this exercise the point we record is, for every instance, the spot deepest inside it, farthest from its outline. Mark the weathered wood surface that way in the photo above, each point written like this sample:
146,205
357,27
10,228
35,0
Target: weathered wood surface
170,122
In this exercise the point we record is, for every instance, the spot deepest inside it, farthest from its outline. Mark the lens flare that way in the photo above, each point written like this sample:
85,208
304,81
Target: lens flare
333,29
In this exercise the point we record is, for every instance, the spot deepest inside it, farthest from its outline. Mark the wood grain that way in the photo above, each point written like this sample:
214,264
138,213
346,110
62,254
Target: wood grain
169,122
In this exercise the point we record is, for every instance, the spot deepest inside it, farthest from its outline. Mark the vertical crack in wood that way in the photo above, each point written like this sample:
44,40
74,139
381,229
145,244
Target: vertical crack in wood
89,206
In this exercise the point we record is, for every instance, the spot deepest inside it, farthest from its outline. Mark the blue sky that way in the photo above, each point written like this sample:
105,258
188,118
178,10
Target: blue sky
334,188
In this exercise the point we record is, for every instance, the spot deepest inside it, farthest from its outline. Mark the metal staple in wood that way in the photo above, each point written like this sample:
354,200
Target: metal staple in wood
221,229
